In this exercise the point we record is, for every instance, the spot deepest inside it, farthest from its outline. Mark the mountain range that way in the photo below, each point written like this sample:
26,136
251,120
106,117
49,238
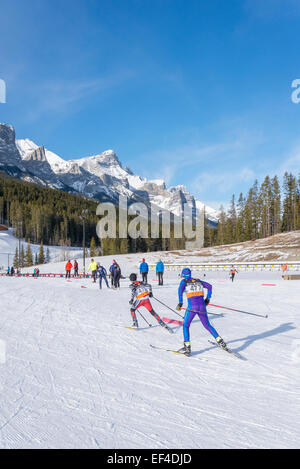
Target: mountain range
101,176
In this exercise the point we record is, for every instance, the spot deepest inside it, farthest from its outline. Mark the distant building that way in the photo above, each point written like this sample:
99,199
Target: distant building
3,228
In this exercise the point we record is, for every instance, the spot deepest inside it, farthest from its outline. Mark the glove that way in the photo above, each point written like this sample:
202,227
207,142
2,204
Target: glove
178,307
130,302
206,301
150,294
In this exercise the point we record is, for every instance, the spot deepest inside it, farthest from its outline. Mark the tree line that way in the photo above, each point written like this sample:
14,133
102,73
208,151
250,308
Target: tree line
267,209
42,215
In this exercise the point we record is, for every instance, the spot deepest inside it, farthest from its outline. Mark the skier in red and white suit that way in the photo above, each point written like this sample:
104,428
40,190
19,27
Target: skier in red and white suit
140,294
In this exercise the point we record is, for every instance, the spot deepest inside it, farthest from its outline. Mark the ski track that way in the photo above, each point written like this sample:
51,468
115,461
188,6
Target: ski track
73,379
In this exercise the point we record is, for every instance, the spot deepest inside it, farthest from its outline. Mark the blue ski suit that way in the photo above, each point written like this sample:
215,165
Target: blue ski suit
194,290
102,275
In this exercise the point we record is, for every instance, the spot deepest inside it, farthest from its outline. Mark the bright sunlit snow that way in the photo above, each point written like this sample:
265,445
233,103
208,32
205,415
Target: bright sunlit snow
73,377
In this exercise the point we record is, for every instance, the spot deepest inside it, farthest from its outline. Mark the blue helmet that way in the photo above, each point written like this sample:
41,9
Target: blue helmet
186,273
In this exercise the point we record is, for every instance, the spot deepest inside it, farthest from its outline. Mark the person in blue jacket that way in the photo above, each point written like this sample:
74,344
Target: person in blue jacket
194,290
112,272
102,275
160,271
144,269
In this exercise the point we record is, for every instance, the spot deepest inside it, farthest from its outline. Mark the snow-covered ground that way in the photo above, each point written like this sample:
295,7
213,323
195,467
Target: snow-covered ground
71,377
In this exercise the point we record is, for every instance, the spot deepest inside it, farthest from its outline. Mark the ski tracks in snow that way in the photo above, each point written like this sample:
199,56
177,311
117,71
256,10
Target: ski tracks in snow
73,380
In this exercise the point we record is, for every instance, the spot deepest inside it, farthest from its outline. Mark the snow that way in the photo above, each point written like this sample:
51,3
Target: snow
124,182
8,244
73,379
25,146
57,164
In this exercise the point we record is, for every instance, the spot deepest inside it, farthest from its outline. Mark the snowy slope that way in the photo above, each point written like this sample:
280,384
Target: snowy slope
283,247
72,378
8,244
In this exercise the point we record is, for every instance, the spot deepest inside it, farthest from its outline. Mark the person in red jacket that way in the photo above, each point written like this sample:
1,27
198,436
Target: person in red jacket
68,269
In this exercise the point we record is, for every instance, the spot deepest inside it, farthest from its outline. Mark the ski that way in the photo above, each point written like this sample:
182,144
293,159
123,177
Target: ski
168,329
132,328
228,350
176,352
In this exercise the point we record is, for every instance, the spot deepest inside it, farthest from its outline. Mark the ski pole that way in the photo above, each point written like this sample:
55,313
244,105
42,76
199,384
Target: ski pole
167,307
182,308
239,311
215,314
150,325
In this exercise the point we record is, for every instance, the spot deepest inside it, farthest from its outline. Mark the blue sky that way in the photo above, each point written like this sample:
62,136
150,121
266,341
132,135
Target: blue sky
197,92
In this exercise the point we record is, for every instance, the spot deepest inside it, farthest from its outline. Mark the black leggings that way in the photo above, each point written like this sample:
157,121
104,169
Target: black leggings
145,277
117,280
160,278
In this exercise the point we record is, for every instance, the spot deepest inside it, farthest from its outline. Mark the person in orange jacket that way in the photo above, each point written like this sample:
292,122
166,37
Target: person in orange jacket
68,269
232,273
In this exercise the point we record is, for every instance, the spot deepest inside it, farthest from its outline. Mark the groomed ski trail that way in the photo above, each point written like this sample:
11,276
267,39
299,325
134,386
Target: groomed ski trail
73,380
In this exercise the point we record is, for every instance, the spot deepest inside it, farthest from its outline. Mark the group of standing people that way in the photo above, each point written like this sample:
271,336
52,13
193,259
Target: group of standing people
99,271
69,267
10,271
144,270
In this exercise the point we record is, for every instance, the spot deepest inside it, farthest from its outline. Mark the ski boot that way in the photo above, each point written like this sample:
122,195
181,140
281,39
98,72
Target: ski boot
135,324
221,342
186,349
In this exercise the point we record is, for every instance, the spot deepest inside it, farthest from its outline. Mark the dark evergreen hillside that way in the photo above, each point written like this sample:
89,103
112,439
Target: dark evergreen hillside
40,214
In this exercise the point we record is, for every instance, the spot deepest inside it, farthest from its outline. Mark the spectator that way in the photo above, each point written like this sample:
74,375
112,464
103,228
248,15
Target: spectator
75,268
68,269
112,270
93,268
160,271
102,275
117,275
144,269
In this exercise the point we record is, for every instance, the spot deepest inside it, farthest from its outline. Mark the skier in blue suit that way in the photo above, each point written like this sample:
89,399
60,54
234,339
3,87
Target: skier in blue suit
194,290
102,275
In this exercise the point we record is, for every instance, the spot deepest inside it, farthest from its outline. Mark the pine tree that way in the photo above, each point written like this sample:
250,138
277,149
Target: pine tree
230,231
16,259
41,254
47,260
240,219
221,227
22,256
28,257
276,206
93,248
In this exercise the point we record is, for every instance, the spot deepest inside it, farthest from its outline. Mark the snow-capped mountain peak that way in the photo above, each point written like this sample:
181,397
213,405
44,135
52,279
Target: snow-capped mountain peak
99,176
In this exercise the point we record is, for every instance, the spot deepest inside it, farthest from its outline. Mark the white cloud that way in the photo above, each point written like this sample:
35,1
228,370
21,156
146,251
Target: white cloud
58,96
